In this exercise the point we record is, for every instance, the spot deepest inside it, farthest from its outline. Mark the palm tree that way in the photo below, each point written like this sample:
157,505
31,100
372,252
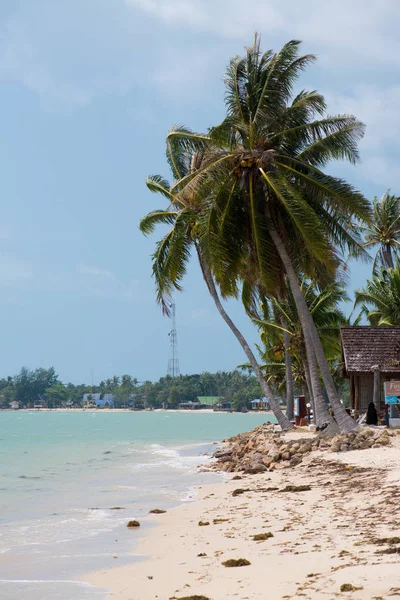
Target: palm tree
268,208
384,230
324,308
382,293
173,250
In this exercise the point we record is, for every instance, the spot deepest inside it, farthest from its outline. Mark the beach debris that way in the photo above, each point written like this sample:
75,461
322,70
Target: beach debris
133,523
348,587
217,521
296,488
387,540
201,554
117,508
395,550
192,598
260,537
236,562
149,576
239,491
203,523
157,511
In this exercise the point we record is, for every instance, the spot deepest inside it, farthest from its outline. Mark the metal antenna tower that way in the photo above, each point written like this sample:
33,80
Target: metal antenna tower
173,361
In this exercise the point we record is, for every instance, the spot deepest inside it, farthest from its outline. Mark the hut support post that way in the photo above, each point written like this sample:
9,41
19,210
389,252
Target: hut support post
377,387
356,383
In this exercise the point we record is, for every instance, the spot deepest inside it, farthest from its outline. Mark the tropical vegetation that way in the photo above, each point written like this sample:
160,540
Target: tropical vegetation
251,197
28,387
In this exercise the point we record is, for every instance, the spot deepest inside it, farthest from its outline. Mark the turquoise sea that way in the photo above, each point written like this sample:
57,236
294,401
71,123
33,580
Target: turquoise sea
63,473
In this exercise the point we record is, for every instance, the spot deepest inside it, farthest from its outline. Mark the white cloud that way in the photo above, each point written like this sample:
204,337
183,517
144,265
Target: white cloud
95,271
14,271
357,25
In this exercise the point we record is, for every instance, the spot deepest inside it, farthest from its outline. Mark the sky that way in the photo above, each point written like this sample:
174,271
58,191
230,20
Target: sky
88,92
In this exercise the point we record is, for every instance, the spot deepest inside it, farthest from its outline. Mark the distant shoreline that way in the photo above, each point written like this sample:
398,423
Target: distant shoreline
128,410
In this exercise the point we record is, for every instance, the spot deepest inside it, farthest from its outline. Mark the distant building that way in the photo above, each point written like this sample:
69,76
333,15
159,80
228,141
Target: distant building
260,404
14,405
97,400
41,402
370,356
208,401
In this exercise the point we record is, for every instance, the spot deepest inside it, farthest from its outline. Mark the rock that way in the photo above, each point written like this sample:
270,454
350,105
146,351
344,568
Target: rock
343,448
256,468
335,447
286,456
222,453
385,441
267,461
132,524
203,523
296,460
157,511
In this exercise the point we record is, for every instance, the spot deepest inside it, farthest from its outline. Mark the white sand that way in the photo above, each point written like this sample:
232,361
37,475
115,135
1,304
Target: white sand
322,538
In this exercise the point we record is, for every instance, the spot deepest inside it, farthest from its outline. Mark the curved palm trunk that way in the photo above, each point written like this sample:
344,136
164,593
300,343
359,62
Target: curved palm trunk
322,418
288,375
266,390
345,422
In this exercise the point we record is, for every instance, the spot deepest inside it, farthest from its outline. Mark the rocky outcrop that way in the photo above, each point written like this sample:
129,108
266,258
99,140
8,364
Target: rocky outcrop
264,449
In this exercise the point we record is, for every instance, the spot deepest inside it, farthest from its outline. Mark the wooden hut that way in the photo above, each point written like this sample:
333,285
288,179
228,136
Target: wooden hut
370,356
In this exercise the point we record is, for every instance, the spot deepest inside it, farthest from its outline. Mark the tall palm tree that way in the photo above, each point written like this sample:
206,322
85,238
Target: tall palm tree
384,230
173,250
382,295
268,208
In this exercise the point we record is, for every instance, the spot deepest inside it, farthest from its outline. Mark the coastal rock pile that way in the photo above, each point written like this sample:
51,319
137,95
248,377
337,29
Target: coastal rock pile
264,449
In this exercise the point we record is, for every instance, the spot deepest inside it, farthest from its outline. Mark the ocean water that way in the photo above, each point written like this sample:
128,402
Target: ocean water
62,475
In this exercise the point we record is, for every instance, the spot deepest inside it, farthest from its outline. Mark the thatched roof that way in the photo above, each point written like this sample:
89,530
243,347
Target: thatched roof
365,347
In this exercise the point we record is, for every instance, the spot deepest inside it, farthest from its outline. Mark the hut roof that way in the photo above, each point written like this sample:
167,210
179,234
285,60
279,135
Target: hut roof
363,347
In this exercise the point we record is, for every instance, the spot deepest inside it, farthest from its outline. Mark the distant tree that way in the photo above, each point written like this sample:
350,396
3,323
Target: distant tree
239,401
173,396
57,395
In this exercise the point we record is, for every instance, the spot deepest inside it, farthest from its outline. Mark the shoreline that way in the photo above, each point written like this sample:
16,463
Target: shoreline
128,410
322,538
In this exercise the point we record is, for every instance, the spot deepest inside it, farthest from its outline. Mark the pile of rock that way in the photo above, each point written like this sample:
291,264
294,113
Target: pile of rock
263,449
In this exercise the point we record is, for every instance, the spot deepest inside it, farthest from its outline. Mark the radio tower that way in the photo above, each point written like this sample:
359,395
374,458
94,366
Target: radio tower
173,361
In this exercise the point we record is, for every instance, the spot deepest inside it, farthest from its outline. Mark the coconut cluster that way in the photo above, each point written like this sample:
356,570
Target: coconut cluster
264,449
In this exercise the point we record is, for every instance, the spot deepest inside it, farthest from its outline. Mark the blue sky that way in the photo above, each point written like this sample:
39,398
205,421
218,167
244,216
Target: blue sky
89,89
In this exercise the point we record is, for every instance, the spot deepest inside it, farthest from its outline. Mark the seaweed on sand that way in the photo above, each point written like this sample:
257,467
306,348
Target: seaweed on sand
260,537
236,562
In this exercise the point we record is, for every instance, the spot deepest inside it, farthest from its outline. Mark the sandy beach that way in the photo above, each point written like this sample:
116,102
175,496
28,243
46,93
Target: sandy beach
325,538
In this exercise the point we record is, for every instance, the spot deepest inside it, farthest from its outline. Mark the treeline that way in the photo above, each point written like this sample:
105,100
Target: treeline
32,387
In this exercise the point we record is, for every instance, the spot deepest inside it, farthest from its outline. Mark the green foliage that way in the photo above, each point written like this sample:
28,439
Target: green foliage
384,230
126,390
380,298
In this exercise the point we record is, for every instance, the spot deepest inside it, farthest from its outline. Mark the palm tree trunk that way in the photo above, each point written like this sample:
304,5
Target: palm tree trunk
308,381
288,374
322,418
345,422
266,390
